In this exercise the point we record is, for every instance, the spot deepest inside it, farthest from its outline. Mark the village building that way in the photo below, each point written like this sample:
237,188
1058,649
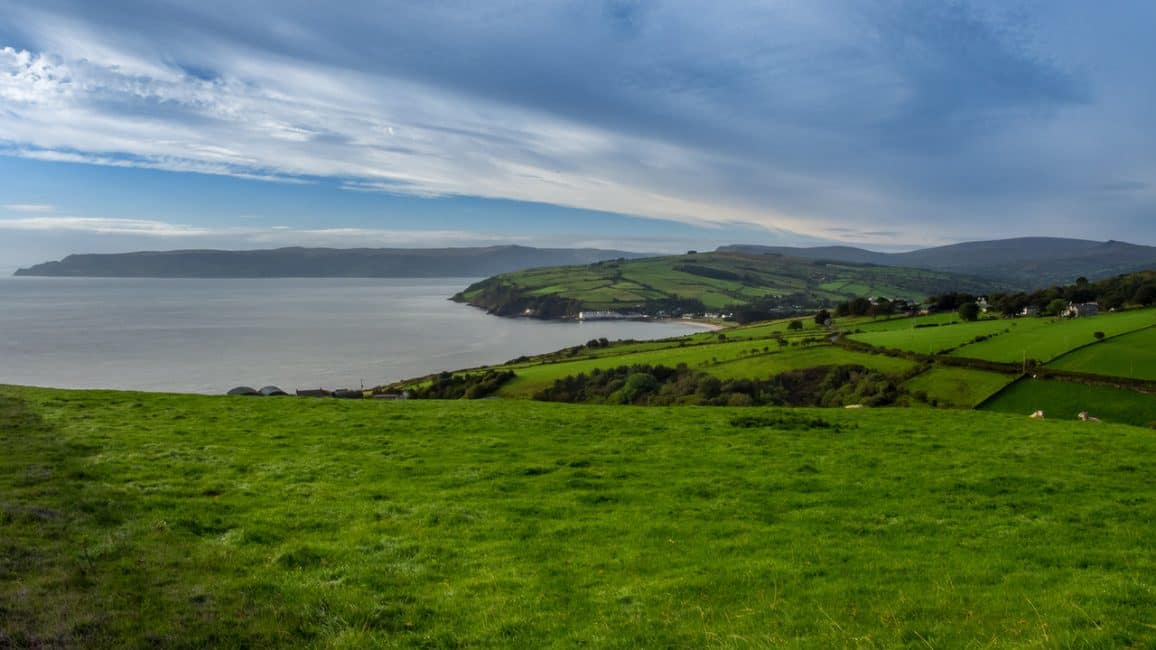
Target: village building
1081,310
600,315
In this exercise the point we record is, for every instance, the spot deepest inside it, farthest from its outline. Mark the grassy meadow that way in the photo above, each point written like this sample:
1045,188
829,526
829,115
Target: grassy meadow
961,388
1008,340
903,335
1044,339
131,520
1130,355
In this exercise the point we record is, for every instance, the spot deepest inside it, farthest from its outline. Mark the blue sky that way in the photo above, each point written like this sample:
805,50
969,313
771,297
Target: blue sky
656,126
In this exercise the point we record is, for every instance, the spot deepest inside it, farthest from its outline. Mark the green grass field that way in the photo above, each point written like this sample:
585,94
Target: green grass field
132,520
763,366
868,324
1041,339
1045,339
1064,400
1130,355
962,388
902,335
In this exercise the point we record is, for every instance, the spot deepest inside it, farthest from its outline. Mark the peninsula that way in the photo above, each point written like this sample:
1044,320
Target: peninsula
321,262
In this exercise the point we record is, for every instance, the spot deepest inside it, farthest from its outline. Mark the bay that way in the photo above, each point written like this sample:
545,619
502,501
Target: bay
207,336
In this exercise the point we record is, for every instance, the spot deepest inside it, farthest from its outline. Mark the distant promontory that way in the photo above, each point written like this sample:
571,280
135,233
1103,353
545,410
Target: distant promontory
321,262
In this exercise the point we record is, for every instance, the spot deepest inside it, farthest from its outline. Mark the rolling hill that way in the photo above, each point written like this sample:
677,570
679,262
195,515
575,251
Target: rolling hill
1028,263
699,282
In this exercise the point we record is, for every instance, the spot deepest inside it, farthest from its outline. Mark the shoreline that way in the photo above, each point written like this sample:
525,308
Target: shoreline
706,325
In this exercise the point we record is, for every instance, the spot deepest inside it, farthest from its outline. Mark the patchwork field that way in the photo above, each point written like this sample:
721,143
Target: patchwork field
1044,339
934,340
711,281
130,520
1009,340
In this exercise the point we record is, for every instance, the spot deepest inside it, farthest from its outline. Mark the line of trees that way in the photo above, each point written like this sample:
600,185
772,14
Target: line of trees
663,385
1133,289
463,386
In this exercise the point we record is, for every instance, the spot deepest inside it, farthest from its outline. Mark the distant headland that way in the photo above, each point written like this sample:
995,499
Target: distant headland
321,262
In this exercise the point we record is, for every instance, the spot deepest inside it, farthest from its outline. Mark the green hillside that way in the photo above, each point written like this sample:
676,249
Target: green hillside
923,361
704,282
133,520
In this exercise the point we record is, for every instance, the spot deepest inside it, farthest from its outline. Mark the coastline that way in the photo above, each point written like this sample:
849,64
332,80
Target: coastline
706,325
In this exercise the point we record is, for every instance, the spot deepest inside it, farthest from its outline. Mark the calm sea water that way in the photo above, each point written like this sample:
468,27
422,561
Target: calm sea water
206,336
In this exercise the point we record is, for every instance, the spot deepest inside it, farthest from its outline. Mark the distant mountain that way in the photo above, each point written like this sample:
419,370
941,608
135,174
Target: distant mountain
322,262
1027,262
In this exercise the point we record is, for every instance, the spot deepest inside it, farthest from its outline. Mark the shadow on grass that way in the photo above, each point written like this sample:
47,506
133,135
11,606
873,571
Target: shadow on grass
58,535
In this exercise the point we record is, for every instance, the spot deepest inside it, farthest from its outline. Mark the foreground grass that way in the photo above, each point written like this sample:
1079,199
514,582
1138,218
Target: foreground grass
131,519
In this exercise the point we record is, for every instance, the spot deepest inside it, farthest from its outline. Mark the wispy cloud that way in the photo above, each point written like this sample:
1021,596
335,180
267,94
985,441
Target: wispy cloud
28,207
165,233
924,119
102,226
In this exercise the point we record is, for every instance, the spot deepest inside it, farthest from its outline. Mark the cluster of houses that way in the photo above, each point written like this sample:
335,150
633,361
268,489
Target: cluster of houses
1073,310
602,315
1081,310
710,315
616,315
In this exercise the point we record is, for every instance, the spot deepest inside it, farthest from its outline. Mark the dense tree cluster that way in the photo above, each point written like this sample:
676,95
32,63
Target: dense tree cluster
969,311
662,385
1133,289
463,386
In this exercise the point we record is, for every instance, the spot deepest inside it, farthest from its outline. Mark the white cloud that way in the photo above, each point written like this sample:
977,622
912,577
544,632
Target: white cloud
181,234
810,118
102,226
289,121
28,207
